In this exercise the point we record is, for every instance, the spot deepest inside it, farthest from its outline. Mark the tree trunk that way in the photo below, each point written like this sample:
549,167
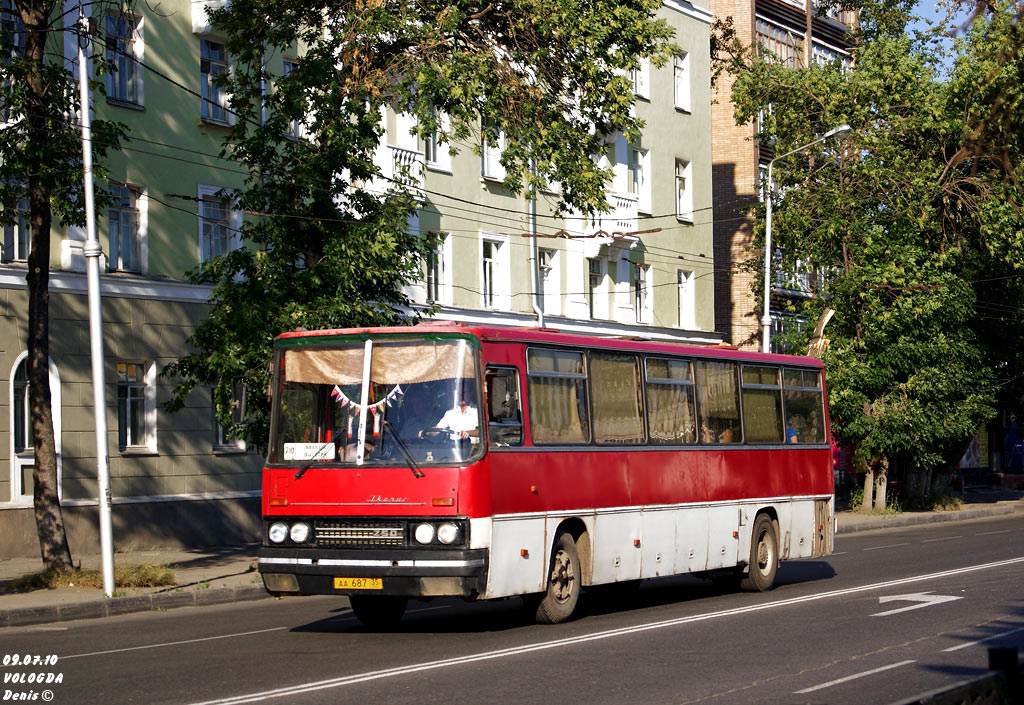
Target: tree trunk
869,489
53,543
881,481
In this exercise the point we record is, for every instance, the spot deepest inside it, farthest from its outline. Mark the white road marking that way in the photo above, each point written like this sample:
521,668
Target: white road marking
945,538
982,641
990,533
173,643
879,548
346,617
597,636
855,676
923,599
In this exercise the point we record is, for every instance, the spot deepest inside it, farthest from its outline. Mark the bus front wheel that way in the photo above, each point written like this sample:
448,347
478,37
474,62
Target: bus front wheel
378,611
558,602
764,556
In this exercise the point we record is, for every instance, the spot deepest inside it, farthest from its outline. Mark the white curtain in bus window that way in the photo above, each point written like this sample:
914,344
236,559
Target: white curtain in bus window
805,417
718,399
762,404
618,407
558,399
402,362
670,411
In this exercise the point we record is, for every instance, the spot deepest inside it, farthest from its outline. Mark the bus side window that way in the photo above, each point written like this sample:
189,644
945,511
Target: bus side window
504,415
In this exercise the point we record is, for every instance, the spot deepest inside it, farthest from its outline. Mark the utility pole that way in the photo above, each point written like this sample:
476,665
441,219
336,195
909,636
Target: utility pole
93,251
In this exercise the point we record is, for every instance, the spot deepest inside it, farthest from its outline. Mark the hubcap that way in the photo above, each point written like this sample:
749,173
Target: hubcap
562,577
764,553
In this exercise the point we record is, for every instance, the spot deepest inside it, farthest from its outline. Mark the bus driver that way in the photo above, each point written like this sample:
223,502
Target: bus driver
461,421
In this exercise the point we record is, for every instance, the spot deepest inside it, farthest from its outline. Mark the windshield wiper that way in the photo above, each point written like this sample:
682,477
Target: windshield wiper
404,448
316,456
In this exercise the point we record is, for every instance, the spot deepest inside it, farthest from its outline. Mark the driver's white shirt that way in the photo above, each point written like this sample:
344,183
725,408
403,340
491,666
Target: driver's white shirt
457,420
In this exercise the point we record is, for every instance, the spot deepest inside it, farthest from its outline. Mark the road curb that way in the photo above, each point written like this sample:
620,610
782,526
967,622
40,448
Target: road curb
888,522
27,616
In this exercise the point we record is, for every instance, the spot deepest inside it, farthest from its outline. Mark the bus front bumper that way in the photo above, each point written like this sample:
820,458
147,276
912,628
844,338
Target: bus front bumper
408,573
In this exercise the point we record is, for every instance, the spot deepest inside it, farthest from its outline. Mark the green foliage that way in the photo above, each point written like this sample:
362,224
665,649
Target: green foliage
916,219
331,247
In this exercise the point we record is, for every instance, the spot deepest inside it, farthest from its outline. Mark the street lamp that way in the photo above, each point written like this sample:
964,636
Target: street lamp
766,319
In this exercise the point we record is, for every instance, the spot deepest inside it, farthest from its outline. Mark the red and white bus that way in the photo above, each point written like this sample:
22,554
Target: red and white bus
487,462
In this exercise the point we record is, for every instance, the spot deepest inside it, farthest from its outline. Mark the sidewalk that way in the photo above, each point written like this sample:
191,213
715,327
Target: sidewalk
228,574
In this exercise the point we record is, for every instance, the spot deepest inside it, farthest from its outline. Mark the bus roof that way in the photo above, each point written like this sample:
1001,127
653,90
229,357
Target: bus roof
552,336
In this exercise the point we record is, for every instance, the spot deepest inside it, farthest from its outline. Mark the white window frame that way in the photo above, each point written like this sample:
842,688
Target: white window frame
681,76
437,154
214,106
140,207
491,167
638,177
442,277
15,233
25,459
549,281
641,77
222,444
495,275
643,293
234,218
133,56
684,190
147,444
596,294
686,299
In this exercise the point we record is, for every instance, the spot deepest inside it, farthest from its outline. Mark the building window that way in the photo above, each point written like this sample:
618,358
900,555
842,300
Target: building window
435,151
684,190
123,220
218,224
781,44
822,55
12,41
296,128
640,76
595,280
17,234
435,273
639,180
681,80
136,406
642,293
213,62
223,442
124,44
685,294
494,263
21,417
549,290
492,144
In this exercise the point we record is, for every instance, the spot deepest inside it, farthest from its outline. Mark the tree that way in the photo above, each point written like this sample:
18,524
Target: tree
547,78
40,162
908,219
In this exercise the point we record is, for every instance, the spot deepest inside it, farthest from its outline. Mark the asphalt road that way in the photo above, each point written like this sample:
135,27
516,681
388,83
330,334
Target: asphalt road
891,614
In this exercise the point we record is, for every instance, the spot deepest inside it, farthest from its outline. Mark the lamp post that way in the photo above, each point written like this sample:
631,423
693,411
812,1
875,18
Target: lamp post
766,319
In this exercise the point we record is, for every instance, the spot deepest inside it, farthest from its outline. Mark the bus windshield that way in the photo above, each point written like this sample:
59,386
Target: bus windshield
407,400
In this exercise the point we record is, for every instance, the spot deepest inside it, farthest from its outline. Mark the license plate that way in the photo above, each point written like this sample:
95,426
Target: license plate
358,583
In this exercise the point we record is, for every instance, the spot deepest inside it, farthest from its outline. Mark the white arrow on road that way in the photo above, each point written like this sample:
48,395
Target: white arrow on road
923,599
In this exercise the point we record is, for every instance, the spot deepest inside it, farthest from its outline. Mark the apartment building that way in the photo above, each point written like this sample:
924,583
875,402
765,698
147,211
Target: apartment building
643,269
796,32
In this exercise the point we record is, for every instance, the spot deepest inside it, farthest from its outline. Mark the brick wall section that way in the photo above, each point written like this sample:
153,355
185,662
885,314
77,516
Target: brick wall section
734,182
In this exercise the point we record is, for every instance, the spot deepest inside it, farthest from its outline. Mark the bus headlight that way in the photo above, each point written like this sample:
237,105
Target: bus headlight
278,532
424,533
299,532
447,533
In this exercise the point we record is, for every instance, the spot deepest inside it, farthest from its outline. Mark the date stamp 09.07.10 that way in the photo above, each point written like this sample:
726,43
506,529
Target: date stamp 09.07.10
30,677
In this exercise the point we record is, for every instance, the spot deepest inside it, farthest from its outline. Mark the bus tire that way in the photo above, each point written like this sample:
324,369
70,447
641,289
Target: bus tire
378,611
558,602
764,556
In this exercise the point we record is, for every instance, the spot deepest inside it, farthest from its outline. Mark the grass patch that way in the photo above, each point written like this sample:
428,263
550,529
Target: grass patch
935,503
125,576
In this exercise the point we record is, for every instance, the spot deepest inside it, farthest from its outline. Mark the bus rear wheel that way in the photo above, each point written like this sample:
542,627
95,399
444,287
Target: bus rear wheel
764,556
378,611
559,601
